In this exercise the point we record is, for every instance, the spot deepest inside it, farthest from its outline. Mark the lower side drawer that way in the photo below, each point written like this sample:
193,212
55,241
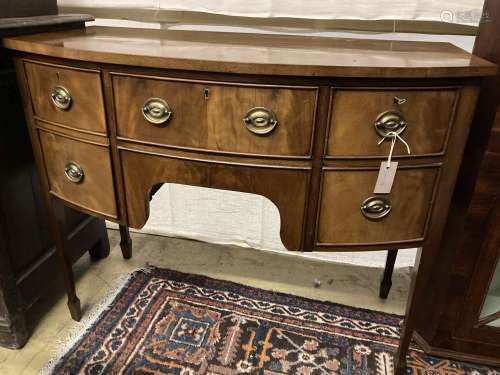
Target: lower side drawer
344,191
79,172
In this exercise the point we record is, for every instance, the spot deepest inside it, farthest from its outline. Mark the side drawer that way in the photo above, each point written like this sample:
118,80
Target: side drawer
66,95
210,116
79,172
342,222
426,115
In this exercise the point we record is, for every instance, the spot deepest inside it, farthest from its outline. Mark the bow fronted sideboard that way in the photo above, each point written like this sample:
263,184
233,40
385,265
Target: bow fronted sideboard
356,142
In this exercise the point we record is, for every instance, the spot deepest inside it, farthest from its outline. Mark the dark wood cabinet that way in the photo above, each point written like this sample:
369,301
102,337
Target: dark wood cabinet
463,321
27,8
461,315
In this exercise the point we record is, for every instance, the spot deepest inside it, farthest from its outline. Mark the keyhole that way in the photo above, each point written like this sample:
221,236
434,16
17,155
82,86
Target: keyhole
206,92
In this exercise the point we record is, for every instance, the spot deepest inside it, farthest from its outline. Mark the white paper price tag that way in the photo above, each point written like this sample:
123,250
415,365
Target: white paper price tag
385,179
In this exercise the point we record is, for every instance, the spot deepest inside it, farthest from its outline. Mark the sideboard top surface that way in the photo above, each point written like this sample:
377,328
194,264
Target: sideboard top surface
256,53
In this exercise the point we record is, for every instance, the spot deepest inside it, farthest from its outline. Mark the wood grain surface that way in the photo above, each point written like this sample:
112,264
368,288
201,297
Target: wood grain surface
96,192
209,116
86,111
428,112
286,188
256,53
342,223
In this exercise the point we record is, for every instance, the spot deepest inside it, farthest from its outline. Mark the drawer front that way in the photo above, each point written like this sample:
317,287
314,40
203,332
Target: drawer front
68,96
65,159
286,187
342,222
211,116
424,117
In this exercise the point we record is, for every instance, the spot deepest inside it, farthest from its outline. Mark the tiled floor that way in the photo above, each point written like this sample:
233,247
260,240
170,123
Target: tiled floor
352,285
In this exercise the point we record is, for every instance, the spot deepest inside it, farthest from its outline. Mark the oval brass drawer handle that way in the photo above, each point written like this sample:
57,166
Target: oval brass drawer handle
74,172
376,207
260,120
61,97
390,122
156,111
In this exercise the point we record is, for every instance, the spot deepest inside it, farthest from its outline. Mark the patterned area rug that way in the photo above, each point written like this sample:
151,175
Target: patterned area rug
165,322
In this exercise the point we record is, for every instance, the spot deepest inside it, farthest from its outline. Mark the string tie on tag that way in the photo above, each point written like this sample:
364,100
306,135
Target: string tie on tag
394,137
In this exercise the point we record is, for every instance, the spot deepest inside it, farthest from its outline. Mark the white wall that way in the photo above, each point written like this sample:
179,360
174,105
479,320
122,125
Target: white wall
458,11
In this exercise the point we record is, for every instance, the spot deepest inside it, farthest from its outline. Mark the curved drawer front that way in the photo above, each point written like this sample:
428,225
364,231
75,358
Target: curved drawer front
68,96
216,117
79,172
342,221
359,117
286,187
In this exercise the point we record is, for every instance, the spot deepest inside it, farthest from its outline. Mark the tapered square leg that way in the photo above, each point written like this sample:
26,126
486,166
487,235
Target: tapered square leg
125,242
56,221
386,284
75,309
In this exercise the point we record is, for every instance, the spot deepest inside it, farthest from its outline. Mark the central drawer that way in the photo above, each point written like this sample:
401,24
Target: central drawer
264,120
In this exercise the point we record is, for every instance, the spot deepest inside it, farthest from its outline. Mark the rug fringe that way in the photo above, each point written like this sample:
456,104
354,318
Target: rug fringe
81,327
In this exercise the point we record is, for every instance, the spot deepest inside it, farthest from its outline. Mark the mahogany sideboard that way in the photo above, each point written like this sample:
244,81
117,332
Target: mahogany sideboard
303,121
